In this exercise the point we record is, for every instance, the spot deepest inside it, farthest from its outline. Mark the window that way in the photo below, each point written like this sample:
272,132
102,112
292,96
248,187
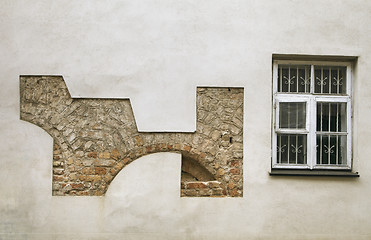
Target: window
311,115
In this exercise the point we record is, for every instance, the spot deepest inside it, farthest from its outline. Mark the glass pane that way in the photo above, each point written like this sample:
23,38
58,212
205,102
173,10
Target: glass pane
330,80
293,78
331,149
291,149
292,115
331,117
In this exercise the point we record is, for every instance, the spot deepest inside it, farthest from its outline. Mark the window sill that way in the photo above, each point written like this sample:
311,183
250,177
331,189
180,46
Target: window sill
316,173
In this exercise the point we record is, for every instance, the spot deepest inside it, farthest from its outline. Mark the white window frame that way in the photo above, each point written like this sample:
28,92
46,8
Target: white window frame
311,100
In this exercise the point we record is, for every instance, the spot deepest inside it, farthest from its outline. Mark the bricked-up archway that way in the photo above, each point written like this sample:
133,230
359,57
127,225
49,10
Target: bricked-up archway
95,138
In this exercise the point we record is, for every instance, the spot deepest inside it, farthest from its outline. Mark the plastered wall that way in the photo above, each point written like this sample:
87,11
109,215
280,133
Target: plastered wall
156,53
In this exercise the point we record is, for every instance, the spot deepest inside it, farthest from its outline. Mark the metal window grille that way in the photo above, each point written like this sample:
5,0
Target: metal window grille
312,115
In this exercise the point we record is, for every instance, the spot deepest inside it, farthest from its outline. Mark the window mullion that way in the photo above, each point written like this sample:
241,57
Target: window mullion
312,133
312,82
311,123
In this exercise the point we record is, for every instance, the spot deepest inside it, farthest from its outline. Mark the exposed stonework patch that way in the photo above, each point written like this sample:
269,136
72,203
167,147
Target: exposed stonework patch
193,171
95,138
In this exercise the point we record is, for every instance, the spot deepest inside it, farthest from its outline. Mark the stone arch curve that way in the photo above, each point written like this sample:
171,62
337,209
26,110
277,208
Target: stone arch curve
188,154
196,178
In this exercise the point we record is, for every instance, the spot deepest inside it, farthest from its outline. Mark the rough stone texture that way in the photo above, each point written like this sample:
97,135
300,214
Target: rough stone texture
95,138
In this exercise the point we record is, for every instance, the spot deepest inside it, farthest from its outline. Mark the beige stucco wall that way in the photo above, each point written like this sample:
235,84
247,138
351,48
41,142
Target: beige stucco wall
156,53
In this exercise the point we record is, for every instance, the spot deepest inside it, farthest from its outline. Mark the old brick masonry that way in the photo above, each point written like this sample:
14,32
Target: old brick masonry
95,138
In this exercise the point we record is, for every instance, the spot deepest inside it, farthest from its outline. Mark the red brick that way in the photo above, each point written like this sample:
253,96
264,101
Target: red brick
187,148
196,185
234,193
116,154
126,160
149,149
231,185
235,171
78,186
113,171
93,154
100,171
235,163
